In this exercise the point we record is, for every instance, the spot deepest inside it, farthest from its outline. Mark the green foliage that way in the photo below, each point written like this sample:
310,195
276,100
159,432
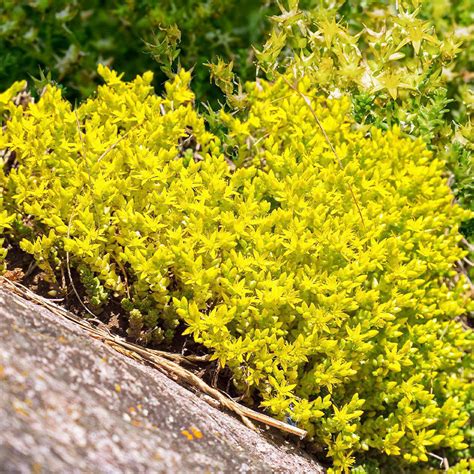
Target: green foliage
69,38
96,293
325,283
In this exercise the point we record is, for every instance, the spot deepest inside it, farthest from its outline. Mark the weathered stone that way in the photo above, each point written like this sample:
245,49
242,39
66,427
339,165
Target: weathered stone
69,403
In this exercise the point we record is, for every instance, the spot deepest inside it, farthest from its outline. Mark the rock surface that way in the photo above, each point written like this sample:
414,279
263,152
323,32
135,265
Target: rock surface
69,403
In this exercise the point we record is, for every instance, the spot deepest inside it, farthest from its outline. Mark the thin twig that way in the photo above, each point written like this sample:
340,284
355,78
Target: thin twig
443,462
111,147
68,268
307,101
468,245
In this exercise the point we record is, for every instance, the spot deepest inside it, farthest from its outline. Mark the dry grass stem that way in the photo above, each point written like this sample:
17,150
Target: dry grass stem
166,362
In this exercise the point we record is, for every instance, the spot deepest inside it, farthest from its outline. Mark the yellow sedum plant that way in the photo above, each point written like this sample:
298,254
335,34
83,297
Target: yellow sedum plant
326,287
5,218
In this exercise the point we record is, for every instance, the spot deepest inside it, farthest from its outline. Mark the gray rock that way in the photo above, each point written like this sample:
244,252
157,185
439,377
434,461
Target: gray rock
69,403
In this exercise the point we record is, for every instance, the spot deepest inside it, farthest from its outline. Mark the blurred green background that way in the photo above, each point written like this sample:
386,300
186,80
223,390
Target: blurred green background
66,39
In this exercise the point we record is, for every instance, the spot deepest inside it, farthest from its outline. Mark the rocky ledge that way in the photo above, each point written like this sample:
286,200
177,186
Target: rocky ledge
70,403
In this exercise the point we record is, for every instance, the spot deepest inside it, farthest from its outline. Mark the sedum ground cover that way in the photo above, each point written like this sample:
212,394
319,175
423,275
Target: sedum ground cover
311,232
325,284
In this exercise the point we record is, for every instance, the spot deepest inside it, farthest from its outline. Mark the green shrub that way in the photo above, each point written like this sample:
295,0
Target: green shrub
69,38
325,284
